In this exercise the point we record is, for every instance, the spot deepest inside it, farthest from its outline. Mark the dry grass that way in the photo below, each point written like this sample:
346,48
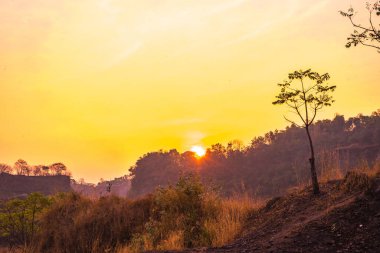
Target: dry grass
329,166
173,242
334,173
77,224
138,244
231,219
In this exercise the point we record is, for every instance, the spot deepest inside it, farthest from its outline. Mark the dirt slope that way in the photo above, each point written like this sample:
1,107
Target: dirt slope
344,218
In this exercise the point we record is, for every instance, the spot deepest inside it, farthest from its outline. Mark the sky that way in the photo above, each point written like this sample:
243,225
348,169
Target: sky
95,84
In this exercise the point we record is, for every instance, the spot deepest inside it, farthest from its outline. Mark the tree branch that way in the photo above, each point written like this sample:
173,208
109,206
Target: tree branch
369,45
358,26
299,114
315,114
306,121
370,21
292,122
311,88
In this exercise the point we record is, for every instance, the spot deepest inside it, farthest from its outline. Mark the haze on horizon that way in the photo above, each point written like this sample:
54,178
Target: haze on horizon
95,84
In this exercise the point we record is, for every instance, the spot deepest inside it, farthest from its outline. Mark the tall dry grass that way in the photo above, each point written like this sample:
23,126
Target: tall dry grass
231,219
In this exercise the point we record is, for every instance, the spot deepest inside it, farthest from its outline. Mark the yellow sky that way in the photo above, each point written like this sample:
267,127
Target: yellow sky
97,83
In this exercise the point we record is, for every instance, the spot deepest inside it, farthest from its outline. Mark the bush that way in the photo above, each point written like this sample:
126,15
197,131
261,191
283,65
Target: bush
19,219
182,208
77,224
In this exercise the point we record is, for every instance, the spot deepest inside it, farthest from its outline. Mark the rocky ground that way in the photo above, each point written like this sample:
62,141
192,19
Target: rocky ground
344,218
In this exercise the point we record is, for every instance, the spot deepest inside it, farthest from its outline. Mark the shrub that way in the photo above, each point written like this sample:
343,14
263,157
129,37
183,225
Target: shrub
77,224
182,208
19,219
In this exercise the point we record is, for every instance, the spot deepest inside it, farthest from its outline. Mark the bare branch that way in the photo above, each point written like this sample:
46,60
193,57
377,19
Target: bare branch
315,114
370,21
299,114
369,45
311,88
292,122
358,26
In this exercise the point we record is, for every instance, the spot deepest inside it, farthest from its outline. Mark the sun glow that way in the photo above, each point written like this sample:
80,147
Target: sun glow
198,150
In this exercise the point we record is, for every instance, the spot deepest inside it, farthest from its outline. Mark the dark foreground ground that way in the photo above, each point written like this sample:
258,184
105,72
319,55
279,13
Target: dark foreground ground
343,218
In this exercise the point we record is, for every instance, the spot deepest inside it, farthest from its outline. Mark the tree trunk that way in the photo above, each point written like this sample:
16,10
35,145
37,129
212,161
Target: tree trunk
314,178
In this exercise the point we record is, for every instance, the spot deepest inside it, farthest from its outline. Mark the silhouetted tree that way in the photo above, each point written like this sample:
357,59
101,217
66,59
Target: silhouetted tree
46,170
37,170
159,169
57,168
22,167
366,35
306,100
5,168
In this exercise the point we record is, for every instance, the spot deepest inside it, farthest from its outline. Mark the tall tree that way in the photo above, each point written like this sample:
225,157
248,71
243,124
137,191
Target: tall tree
305,93
366,35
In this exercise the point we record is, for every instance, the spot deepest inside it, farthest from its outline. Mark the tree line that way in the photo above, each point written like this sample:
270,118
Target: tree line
271,163
21,167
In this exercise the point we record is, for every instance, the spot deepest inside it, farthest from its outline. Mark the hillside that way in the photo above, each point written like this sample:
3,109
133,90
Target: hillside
271,163
19,185
344,218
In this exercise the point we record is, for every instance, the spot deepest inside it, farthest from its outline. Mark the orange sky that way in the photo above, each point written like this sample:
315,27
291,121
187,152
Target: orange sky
97,83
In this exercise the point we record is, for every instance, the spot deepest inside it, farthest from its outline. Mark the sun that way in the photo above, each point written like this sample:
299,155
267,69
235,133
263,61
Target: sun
198,150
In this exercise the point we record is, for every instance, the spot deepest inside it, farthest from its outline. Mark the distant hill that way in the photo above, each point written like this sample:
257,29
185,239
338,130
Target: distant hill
19,185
